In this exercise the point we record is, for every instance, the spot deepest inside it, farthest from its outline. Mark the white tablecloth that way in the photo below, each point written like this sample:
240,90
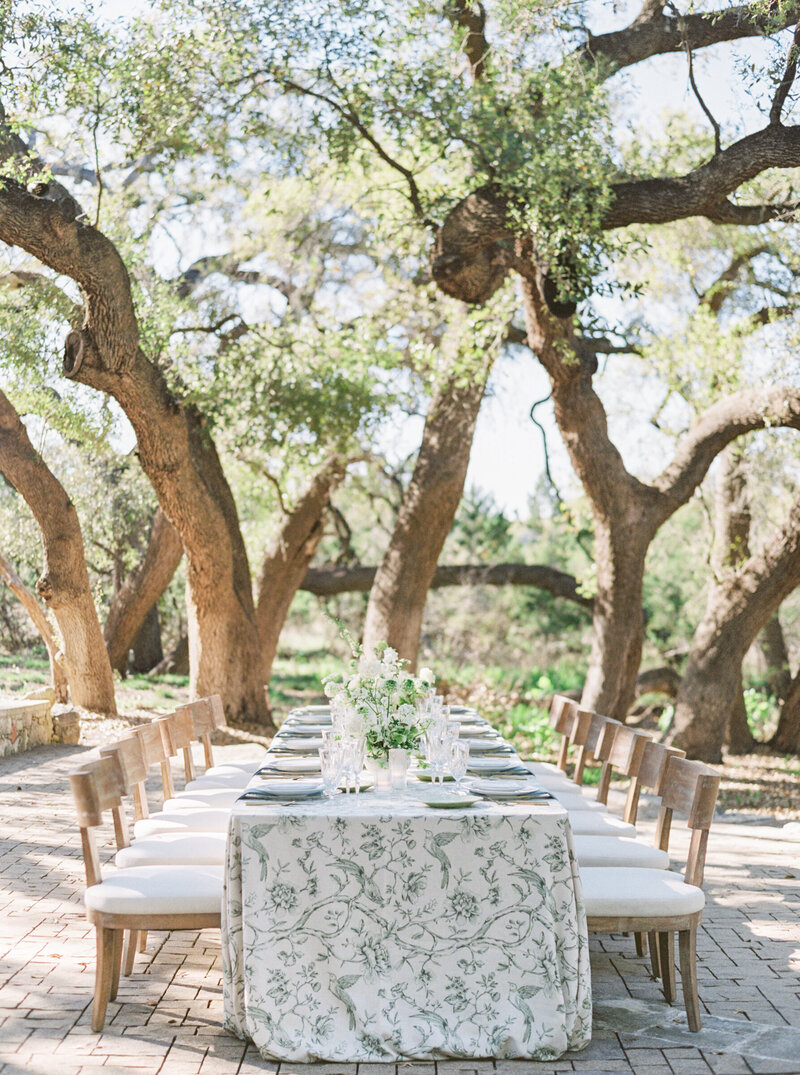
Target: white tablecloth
371,929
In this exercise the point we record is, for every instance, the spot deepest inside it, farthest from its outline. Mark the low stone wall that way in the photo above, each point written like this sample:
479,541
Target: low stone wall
25,724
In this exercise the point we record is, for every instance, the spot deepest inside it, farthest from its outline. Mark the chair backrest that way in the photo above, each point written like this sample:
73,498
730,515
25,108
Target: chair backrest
207,715
623,751
594,735
651,774
218,711
128,757
178,729
562,718
157,750
690,788
96,787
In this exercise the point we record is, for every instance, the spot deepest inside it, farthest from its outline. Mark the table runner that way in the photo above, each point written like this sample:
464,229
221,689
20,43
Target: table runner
368,929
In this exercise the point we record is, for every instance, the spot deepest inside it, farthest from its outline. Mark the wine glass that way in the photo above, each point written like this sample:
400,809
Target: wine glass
332,766
354,748
437,752
459,760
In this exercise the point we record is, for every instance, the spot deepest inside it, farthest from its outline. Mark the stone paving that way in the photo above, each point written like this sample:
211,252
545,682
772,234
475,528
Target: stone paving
168,1016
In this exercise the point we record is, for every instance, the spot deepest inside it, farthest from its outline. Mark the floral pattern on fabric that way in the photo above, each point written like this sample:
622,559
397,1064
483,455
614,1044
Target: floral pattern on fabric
360,930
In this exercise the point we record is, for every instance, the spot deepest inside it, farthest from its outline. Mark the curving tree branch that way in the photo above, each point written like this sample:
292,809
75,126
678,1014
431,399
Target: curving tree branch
743,412
326,581
654,34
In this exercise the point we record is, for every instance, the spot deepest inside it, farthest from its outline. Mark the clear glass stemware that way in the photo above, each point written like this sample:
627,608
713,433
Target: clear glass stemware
459,760
332,767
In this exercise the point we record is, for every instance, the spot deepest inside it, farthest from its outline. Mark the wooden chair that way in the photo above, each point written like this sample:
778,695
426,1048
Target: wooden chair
182,838
134,767
594,740
140,898
157,741
623,755
651,774
659,902
563,711
154,741
204,717
178,730
625,758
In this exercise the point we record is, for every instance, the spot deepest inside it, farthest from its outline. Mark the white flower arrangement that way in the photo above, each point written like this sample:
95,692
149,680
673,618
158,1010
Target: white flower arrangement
383,696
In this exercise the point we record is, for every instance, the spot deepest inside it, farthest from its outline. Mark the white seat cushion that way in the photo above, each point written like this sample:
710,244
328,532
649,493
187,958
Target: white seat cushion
183,821
573,800
618,851
229,767
553,779
221,798
626,892
592,823
159,890
545,768
175,849
222,780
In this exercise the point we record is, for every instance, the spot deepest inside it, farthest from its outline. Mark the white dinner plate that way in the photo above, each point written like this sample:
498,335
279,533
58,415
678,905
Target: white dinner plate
491,765
307,718
446,800
293,789
291,765
302,731
300,744
487,746
500,788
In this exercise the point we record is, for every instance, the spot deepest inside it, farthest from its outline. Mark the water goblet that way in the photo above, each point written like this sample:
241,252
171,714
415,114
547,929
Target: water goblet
459,760
354,748
437,752
332,762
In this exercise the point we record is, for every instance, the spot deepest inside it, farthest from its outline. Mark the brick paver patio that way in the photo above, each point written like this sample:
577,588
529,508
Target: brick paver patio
168,1019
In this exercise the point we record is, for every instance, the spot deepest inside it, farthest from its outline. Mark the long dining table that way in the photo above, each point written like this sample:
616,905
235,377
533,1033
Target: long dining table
374,927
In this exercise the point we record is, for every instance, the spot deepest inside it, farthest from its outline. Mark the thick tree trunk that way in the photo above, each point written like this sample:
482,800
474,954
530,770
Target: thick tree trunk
140,592
739,606
618,620
787,734
147,651
31,606
175,447
731,549
64,583
626,512
739,739
776,658
288,555
398,595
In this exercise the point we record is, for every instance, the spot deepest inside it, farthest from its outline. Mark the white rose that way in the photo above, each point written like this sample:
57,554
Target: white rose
369,666
426,675
390,655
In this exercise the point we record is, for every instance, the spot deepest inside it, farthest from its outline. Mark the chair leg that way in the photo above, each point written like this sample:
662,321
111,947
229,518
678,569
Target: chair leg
102,975
639,938
666,952
687,947
131,948
142,939
119,937
655,963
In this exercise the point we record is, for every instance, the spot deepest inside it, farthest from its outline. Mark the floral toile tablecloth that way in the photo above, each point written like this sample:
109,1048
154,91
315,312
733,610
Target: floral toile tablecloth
363,929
